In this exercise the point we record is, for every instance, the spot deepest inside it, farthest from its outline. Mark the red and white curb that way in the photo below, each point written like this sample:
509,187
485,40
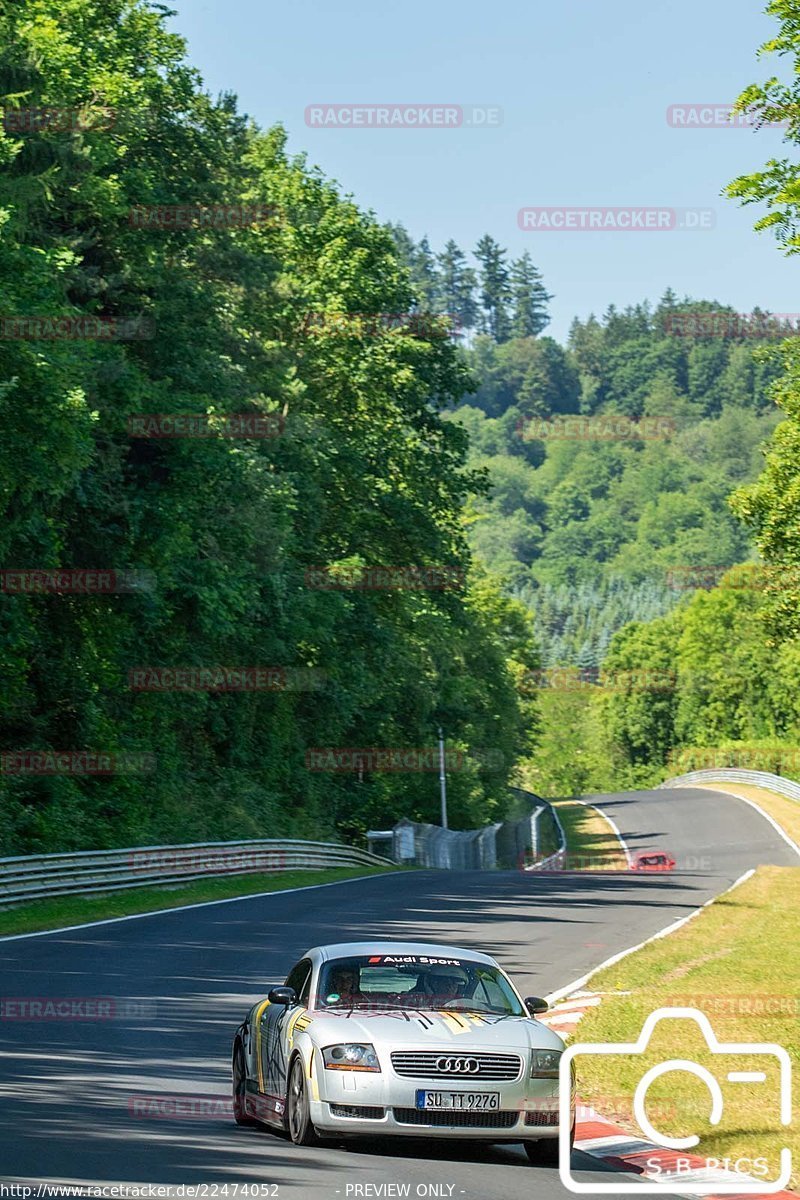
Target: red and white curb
646,1162
563,1017
639,1160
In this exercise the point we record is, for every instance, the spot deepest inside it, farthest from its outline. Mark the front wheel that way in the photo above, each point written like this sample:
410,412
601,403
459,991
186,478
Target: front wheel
301,1128
545,1151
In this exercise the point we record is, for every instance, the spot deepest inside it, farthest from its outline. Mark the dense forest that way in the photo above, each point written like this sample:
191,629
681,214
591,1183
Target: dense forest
160,211
590,526
715,681
360,491
619,533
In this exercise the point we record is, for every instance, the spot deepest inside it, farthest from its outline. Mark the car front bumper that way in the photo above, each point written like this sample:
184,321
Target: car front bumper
528,1108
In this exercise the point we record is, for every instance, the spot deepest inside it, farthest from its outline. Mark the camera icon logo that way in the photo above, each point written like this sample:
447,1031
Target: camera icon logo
741,1186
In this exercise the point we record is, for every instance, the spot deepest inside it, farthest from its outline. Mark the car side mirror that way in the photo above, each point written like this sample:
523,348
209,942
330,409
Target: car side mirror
536,1005
282,995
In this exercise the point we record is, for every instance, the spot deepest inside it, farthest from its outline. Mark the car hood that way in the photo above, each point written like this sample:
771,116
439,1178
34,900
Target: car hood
419,1028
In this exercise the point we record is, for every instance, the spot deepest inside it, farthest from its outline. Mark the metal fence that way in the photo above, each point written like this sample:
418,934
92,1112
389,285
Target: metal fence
35,876
547,833
774,783
424,845
503,845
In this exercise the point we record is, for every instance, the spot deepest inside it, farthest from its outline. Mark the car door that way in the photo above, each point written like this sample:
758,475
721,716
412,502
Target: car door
275,1023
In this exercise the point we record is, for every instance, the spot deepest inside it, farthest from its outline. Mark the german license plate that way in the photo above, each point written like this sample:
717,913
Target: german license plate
459,1101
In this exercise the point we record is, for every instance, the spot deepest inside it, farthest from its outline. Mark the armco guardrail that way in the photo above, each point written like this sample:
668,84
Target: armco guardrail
34,876
775,783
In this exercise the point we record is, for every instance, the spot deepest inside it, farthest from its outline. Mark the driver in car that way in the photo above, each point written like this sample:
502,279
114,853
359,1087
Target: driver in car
442,984
345,984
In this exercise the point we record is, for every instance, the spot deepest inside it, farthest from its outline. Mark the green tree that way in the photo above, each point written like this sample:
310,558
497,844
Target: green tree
403,242
425,276
529,298
231,530
637,702
724,666
457,283
771,506
776,102
495,288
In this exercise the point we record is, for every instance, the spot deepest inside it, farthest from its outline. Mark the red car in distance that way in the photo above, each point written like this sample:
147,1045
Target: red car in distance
653,860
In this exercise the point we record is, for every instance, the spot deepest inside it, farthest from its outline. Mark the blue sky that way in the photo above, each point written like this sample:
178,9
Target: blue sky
583,87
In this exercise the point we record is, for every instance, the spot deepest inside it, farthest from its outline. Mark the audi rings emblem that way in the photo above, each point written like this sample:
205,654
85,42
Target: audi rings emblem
458,1066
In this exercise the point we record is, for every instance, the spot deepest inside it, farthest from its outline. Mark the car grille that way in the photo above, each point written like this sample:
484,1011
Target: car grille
541,1118
463,1120
423,1065
364,1112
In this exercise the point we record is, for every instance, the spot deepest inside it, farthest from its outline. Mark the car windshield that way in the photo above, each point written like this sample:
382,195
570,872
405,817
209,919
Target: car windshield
415,981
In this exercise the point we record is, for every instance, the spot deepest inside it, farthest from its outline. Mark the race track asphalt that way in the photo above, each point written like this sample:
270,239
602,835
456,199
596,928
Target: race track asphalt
68,1088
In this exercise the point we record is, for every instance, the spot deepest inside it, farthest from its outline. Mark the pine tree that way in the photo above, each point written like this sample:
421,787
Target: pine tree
457,286
404,243
529,298
668,301
422,266
425,277
495,289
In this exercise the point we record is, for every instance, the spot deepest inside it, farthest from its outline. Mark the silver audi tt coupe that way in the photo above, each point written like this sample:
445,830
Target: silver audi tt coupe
400,1038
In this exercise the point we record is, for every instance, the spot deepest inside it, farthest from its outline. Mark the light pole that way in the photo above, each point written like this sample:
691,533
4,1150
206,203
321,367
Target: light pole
442,779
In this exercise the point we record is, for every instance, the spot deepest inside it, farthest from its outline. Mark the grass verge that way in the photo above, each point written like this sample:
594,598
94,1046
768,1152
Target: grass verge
592,843
62,911
737,963
783,810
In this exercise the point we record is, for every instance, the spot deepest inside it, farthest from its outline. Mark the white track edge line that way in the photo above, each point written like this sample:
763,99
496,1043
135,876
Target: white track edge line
159,912
612,823
711,787
615,958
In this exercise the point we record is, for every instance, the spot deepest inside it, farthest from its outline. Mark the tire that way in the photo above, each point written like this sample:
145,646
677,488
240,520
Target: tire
298,1117
544,1153
239,1079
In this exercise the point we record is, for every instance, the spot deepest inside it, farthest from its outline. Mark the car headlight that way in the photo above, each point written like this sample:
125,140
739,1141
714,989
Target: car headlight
351,1056
544,1064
